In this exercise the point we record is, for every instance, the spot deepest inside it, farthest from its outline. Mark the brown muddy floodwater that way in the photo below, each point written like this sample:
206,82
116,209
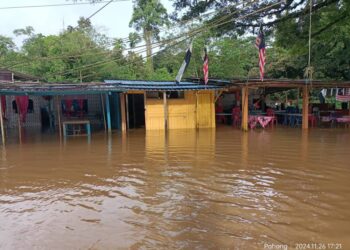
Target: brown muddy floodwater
209,189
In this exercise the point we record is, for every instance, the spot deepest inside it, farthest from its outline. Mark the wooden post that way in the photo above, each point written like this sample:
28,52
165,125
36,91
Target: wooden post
127,110
108,111
145,107
19,122
133,111
197,124
165,102
2,124
59,115
122,107
103,113
305,107
298,94
245,95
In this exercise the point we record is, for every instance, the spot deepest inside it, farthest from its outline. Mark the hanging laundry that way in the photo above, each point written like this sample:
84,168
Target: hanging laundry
22,106
68,105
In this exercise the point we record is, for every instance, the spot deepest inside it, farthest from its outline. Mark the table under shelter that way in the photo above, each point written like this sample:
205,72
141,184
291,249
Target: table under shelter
69,104
245,116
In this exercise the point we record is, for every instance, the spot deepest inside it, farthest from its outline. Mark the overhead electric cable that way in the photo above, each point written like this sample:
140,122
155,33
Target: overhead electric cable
106,52
126,39
199,31
56,5
191,32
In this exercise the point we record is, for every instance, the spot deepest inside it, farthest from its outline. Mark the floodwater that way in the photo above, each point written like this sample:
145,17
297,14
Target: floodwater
208,189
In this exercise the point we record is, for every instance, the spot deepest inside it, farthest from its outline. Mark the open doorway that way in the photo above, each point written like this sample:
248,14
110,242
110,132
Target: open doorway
136,110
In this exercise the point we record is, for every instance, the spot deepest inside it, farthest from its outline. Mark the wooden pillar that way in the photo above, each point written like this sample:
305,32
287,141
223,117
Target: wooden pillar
145,107
2,124
245,95
305,107
108,112
19,122
127,110
298,94
123,115
165,101
196,118
103,113
58,106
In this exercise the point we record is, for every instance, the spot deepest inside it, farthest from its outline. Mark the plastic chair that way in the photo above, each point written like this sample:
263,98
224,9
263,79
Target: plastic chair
236,117
271,112
312,120
220,118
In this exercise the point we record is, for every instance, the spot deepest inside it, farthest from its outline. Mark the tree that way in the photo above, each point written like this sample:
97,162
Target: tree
149,16
6,45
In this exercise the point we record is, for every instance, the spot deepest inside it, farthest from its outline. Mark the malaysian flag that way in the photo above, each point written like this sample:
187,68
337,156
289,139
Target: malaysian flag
185,64
260,45
206,67
344,96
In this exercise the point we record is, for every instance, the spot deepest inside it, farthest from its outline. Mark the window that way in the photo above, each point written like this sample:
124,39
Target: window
74,107
169,95
175,94
30,108
154,95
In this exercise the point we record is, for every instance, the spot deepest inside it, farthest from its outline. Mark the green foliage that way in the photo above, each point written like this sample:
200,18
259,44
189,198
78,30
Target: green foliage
81,53
6,46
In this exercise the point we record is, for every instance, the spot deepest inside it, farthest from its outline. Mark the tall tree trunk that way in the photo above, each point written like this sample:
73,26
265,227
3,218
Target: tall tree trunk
148,40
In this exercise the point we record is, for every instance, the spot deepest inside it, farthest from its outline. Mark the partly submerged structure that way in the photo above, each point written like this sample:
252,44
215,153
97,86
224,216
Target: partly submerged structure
246,89
114,104
167,105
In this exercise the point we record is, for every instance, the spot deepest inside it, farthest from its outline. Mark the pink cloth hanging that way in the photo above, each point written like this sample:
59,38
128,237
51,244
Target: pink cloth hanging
22,106
3,104
68,103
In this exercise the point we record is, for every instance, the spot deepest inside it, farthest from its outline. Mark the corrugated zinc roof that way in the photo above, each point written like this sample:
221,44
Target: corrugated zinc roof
160,85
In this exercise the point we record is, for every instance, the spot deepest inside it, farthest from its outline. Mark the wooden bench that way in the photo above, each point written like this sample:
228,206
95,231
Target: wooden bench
76,132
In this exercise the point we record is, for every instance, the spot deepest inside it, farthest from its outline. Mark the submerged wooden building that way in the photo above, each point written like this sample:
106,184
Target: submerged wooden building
166,105
120,104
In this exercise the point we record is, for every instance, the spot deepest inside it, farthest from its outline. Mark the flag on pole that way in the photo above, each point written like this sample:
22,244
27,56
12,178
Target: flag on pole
260,45
206,66
184,64
344,96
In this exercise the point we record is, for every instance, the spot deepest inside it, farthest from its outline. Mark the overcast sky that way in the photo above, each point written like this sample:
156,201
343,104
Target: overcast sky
113,20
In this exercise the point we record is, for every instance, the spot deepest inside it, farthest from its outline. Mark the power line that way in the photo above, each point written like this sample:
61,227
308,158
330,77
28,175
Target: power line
191,34
56,5
124,40
104,6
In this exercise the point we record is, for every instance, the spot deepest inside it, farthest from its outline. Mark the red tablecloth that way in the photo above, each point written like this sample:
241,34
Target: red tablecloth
262,120
343,119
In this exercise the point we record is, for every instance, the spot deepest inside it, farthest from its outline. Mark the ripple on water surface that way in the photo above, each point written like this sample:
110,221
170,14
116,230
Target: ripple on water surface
186,189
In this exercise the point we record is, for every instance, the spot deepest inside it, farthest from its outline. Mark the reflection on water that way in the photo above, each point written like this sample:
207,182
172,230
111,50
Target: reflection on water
184,189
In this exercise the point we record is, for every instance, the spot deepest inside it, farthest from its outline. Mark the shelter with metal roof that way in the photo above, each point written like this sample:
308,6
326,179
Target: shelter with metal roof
166,105
127,104
246,87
